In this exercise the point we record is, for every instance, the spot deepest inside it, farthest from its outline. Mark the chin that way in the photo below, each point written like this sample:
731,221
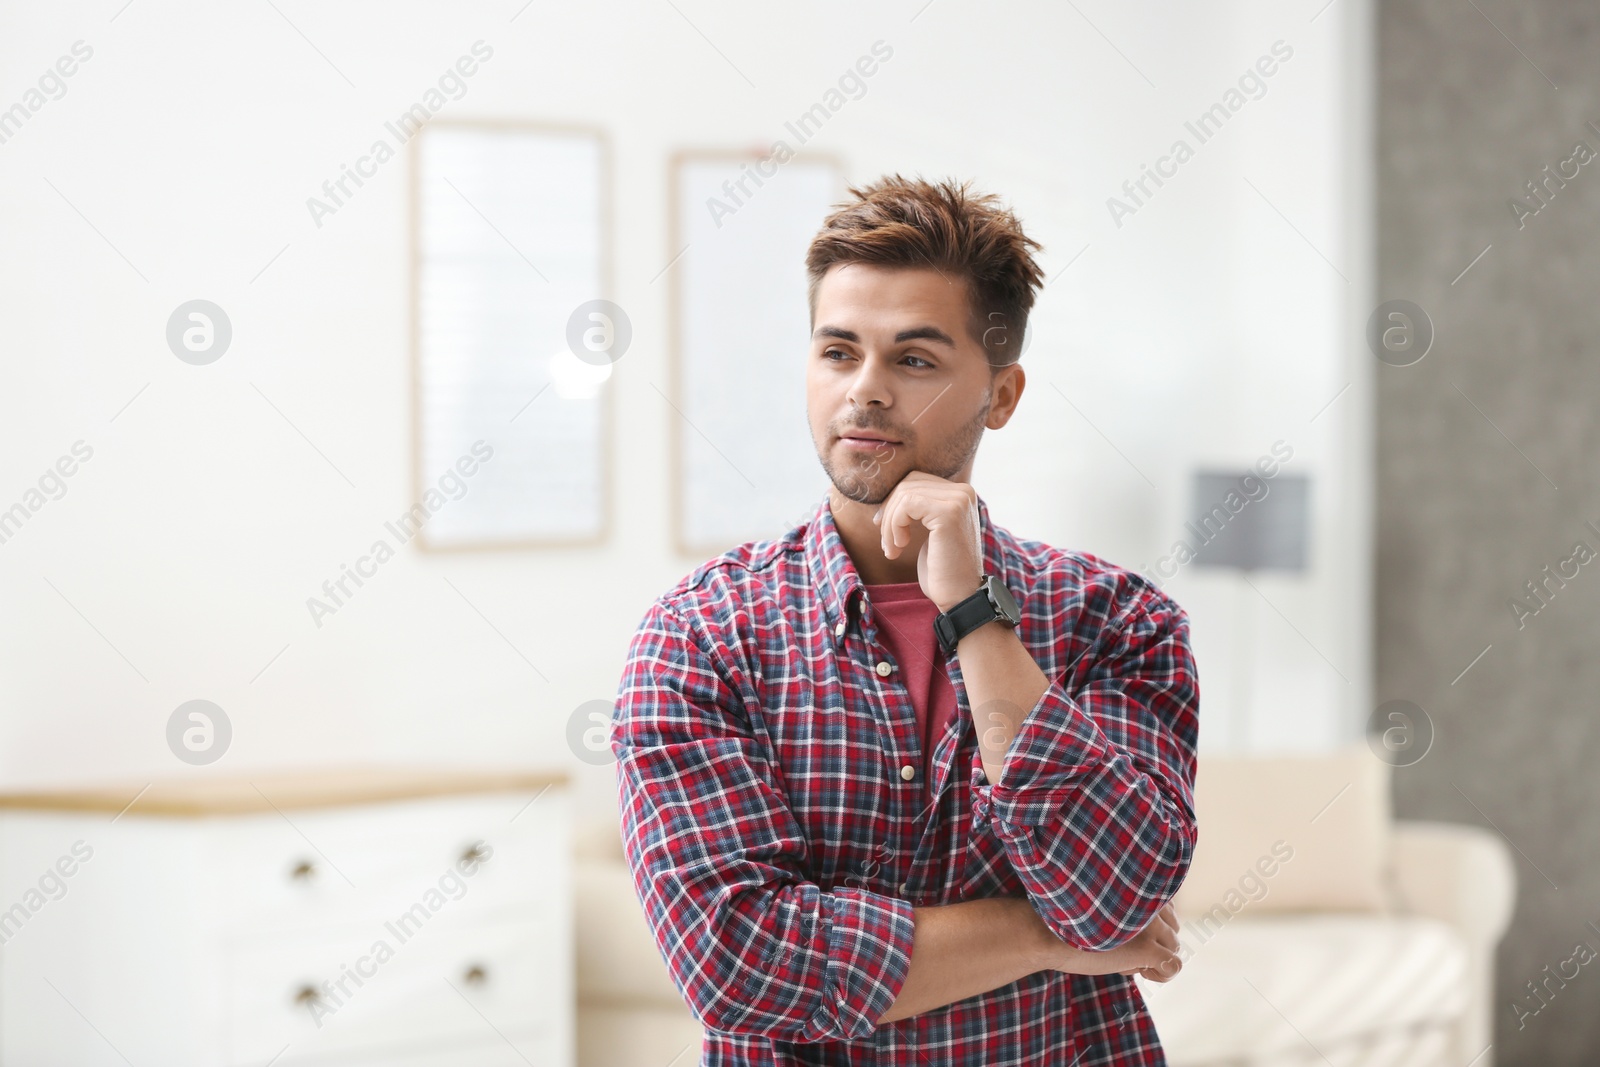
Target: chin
860,487
862,495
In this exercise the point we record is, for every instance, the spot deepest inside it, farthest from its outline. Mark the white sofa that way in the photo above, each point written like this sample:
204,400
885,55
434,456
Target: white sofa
629,1012
1410,986
1378,948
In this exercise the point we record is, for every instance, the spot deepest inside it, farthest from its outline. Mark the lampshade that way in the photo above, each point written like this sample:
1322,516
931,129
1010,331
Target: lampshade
1245,521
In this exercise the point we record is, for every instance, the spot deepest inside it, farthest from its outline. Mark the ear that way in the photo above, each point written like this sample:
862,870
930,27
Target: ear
1008,385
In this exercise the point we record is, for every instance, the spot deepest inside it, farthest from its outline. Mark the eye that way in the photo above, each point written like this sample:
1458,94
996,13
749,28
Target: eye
828,353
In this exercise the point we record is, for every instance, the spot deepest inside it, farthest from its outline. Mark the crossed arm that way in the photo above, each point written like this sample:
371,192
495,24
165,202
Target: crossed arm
962,950
1097,824
965,949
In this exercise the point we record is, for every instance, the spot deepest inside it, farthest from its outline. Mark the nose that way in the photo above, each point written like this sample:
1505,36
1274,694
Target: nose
870,384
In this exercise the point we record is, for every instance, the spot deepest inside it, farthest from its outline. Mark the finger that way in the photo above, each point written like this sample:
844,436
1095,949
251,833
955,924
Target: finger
900,533
896,521
885,513
1159,937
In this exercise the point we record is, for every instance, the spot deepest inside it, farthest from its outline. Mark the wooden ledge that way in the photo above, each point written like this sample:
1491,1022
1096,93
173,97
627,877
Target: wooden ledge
268,791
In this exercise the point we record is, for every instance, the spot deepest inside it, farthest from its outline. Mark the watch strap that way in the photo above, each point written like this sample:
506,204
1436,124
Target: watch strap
964,617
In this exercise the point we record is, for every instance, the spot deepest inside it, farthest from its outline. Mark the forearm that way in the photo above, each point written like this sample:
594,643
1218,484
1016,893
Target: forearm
964,949
1062,774
1003,683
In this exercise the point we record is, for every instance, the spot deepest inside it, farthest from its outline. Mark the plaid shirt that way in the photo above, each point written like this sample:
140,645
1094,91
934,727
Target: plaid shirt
777,849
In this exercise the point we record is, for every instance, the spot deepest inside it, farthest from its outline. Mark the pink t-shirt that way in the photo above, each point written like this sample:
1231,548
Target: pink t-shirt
905,623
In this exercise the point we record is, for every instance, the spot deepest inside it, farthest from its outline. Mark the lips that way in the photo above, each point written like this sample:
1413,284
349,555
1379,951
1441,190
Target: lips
867,435
881,449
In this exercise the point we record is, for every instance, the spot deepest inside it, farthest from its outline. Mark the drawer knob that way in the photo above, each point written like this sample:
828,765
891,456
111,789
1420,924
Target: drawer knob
474,854
307,996
303,872
476,975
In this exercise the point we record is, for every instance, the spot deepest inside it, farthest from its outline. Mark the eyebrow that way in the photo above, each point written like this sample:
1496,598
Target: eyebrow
916,333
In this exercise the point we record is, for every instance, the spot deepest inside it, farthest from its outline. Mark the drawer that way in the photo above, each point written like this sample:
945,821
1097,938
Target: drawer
318,868
363,991
513,1050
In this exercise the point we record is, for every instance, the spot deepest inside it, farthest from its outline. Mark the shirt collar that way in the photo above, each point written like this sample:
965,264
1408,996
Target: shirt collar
839,587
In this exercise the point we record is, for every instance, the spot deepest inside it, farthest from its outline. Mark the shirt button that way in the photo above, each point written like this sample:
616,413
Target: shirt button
884,667
905,887
838,631
908,772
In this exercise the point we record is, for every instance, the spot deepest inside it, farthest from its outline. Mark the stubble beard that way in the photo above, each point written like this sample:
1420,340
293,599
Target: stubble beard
865,479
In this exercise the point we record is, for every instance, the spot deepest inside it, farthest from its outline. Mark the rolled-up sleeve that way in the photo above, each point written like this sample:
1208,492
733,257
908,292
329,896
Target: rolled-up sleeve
1095,799
753,946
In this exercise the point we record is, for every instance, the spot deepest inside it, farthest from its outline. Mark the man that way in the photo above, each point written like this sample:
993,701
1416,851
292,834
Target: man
899,787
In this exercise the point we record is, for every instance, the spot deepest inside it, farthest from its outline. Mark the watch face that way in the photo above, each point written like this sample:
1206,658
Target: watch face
1004,602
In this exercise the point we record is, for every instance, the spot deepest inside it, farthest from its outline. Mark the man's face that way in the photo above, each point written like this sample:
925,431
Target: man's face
892,359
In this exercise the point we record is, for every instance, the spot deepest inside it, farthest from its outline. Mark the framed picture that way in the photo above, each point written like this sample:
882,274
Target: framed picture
744,466
510,229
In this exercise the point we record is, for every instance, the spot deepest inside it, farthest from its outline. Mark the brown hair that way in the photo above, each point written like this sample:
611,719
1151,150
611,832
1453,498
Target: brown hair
899,222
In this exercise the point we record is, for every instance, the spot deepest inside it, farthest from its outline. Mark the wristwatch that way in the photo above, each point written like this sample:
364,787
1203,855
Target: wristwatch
992,601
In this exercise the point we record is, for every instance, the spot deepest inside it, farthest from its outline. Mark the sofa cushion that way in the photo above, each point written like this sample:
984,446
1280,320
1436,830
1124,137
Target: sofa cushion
637,1036
1290,833
617,958
598,839
1289,985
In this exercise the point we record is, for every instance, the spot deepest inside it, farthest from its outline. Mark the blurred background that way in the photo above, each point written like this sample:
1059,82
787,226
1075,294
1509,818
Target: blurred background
369,369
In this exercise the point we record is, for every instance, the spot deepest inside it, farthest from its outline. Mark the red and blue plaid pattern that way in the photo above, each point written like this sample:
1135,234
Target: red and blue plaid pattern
778,851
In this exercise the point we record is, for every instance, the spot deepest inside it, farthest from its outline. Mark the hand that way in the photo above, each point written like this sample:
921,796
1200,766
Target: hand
950,562
1153,953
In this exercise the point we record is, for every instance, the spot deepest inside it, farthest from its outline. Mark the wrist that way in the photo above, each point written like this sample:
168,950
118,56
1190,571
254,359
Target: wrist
1041,949
957,618
946,602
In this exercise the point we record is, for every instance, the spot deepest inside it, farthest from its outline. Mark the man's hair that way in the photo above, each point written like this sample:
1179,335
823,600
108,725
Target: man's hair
899,222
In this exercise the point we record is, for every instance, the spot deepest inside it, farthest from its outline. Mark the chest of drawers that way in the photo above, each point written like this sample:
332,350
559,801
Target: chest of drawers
357,918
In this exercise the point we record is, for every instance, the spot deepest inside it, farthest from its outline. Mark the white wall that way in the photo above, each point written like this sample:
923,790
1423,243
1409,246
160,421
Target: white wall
178,563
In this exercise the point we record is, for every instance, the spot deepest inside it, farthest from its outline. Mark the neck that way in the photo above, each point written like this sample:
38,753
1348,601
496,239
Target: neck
863,542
